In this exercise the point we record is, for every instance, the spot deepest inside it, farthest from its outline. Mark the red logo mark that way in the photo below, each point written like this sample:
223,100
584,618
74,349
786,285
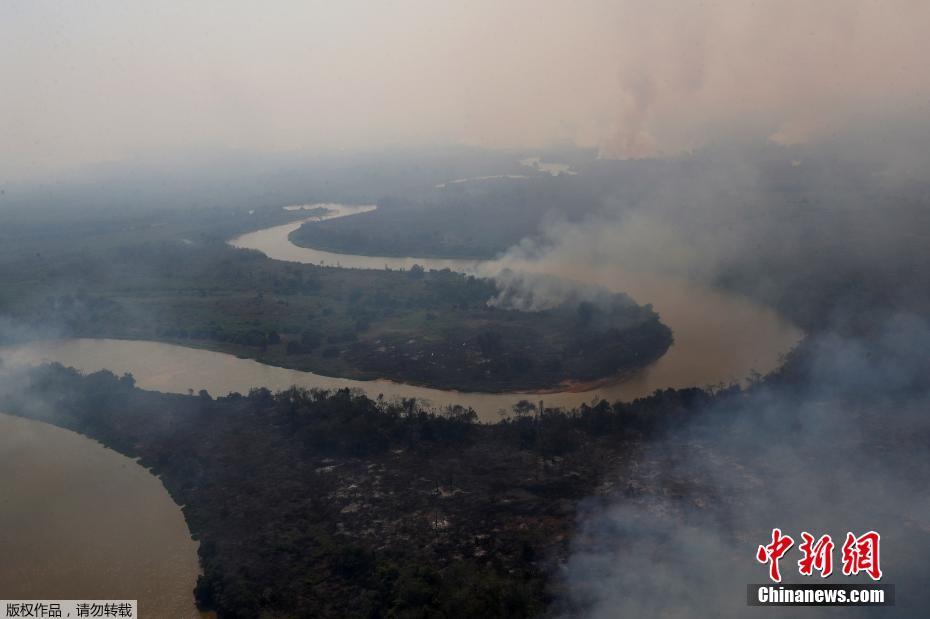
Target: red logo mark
861,554
817,556
773,552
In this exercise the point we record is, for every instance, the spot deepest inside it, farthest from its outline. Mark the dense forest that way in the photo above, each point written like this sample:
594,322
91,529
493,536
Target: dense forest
311,503
476,219
483,217
778,224
170,276
465,310
315,503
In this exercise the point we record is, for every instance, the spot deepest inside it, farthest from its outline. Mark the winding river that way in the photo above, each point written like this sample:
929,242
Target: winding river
719,337
115,523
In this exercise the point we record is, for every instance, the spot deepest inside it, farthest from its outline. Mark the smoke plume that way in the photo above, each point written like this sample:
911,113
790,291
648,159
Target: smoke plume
843,451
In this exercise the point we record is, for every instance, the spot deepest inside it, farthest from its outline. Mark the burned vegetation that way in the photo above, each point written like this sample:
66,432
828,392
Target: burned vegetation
312,503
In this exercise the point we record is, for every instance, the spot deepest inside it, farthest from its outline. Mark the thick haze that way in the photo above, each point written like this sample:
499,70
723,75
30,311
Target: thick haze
108,81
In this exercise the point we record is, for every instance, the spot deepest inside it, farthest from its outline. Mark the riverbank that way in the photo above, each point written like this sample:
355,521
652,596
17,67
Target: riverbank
430,328
85,522
362,505
721,337
181,369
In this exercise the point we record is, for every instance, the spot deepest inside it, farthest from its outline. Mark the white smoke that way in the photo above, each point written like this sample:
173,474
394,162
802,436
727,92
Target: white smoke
846,451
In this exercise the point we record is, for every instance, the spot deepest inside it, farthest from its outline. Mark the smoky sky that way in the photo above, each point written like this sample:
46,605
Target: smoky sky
109,81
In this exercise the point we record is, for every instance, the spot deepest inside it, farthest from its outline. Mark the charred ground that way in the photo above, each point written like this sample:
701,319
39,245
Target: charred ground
332,504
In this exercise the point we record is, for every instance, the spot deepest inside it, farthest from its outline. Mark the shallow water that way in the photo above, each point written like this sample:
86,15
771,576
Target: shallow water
80,521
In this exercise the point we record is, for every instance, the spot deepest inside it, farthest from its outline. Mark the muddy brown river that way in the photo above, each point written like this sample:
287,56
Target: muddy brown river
85,522
719,338
80,521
